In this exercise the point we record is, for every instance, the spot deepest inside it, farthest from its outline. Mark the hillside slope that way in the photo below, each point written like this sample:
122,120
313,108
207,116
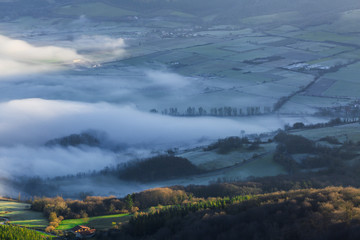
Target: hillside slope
330,213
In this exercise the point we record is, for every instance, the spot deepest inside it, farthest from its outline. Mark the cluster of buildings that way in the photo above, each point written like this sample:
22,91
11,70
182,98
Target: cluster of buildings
83,231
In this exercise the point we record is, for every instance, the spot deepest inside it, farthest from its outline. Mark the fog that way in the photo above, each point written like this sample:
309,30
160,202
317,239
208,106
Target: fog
57,92
34,121
18,57
164,79
126,85
26,125
63,75
51,162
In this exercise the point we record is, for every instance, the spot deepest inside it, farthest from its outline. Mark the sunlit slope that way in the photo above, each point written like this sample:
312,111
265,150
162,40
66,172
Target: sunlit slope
99,222
20,214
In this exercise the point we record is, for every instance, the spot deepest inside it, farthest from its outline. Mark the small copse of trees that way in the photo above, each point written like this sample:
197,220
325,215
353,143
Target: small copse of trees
158,168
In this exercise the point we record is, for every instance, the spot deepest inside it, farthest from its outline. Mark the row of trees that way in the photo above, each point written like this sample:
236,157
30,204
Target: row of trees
57,209
218,112
68,209
226,145
331,123
349,113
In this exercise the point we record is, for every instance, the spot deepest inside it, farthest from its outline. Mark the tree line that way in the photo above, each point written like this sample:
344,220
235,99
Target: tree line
229,144
145,223
215,111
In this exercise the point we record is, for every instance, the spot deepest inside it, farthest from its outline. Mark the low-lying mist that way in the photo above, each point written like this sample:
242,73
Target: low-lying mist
19,57
52,162
127,85
32,122
57,88
26,125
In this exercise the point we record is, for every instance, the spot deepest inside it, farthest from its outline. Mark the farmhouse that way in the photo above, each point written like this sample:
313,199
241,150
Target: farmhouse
83,231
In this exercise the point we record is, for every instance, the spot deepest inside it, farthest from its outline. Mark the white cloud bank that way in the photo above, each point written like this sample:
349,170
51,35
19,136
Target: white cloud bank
167,79
98,44
17,57
22,51
27,124
34,121
50,162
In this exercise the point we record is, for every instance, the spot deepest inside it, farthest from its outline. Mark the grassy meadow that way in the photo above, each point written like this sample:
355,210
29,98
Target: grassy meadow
20,214
100,222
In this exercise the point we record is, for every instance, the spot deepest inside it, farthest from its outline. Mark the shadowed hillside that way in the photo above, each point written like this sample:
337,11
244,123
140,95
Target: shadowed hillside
331,213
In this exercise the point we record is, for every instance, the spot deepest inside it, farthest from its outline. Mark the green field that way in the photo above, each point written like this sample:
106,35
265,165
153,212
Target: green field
240,67
344,89
99,222
301,104
260,167
349,73
210,160
269,19
342,132
348,82
20,214
242,164
322,36
209,51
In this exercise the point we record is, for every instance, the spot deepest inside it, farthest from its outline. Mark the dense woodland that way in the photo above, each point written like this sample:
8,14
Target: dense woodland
97,206
226,145
157,168
9,232
75,140
330,213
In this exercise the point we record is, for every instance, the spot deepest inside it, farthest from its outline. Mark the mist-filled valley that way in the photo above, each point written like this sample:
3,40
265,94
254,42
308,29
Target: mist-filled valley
120,107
